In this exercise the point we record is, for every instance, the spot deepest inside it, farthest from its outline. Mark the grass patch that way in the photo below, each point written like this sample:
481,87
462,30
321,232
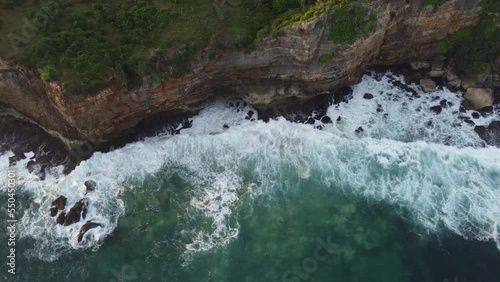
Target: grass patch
326,58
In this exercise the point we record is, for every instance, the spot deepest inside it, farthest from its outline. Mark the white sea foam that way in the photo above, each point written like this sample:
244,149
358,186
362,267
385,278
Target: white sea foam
396,114
452,186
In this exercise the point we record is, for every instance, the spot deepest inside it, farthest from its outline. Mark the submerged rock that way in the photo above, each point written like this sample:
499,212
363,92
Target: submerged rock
479,98
86,227
90,185
427,85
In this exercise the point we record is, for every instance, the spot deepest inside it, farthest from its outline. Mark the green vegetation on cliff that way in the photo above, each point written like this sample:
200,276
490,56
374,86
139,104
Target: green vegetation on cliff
474,48
351,23
86,45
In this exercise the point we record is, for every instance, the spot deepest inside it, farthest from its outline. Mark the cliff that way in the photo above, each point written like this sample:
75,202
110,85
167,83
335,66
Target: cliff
280,67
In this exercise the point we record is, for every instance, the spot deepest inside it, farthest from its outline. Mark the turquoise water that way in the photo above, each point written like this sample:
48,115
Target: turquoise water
312,233
277,201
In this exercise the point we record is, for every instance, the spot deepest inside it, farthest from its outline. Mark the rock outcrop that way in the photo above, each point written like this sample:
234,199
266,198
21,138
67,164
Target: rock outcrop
86,227
279,68
75,214
57,205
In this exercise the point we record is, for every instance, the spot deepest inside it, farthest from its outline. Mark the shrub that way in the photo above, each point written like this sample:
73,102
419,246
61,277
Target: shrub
49,73
350,24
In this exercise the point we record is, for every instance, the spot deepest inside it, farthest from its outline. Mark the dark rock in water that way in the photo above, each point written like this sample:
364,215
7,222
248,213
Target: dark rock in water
53,211
225,126
404,87
360,129
90,185
443,103
31,166
488,109
326,120
86,227
476,115
462,109
436,109
310,121
490,134
320,127
61,218
339,118
469,121
342,95
57,205
368,96
250,114
75,214
379,108
297,110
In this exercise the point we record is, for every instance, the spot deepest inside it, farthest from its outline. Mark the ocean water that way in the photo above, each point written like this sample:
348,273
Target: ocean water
389,190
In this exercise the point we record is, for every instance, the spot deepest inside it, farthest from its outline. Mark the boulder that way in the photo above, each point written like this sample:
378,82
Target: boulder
437,73
437,65
469,83
427,85
479,98
454,85
451,76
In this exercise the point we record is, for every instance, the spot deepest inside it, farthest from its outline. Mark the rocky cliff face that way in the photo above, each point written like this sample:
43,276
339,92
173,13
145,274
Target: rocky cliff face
280,67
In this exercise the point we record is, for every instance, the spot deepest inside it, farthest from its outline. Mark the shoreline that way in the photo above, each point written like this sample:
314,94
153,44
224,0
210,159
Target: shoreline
69,153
